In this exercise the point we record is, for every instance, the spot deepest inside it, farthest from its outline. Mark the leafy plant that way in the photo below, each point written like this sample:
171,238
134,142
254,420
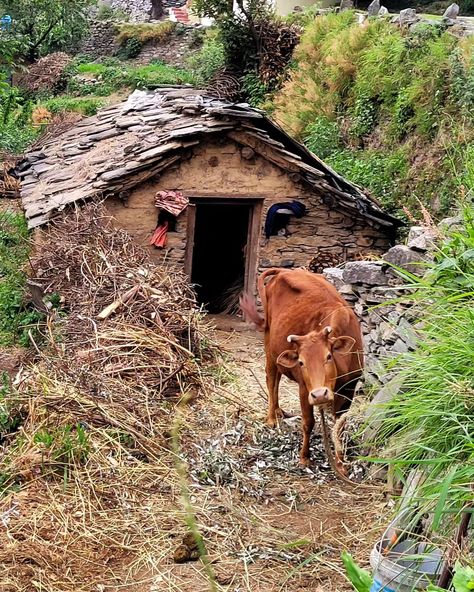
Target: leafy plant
360,578
430,423
254,89
209,60
86,106
132,48
16,317
42,26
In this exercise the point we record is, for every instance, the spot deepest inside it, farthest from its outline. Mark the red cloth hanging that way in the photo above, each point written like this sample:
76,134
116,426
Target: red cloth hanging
159,236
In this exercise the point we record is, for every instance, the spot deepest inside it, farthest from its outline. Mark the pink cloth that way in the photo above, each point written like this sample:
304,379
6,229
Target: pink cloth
173,202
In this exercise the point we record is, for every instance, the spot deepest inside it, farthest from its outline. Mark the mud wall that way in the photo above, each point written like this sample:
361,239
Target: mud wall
219,169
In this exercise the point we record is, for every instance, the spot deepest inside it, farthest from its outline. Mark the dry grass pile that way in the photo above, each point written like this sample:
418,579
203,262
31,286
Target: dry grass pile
85,432
47,74
146,32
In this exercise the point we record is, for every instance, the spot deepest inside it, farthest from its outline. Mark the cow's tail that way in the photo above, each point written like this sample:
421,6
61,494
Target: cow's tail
248,304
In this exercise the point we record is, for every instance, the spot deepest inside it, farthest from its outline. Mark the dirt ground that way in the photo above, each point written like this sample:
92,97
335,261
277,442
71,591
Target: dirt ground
268,525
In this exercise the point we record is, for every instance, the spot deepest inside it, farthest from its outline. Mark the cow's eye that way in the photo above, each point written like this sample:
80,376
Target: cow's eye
301,363
329,357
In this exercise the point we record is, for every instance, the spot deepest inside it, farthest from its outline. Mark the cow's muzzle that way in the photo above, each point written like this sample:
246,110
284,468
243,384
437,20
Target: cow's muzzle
320,396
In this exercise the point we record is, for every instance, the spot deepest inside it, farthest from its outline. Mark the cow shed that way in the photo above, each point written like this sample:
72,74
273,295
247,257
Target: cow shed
231,164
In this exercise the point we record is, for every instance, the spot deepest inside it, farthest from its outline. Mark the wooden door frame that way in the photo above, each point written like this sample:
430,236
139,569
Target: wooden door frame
253,233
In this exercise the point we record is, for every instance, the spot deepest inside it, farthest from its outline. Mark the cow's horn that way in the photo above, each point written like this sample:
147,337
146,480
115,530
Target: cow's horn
327,330
291,338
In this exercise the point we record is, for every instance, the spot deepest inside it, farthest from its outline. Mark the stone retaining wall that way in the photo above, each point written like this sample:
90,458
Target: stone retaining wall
376,292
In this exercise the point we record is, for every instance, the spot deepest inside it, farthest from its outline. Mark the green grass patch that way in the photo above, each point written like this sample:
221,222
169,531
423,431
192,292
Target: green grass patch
145,33
85,105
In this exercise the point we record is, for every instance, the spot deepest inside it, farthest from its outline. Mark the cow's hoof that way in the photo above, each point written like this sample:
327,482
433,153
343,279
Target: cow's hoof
272,420
305,463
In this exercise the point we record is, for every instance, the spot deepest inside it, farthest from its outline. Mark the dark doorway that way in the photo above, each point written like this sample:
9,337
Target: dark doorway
221,233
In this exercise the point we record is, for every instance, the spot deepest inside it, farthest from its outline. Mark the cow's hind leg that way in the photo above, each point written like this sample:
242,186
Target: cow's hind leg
273,383
308,425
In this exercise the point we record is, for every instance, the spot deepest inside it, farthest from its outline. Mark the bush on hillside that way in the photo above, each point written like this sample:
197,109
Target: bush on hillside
209,60
385,91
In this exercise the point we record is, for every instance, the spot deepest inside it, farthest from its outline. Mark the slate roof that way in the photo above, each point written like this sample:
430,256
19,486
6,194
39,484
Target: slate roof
128,143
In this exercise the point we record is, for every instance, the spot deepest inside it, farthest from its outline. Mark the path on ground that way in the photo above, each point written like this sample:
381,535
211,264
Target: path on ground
268,525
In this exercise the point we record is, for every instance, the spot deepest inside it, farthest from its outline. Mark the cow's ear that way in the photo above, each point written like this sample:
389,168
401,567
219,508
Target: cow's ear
288,358
342,345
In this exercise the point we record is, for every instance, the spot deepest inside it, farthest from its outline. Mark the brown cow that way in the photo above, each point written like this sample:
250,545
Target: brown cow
325,353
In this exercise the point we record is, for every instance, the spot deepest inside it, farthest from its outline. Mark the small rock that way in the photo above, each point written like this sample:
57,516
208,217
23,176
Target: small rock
452,11
421,238
407,333
334,275
383,11
400,347
373,8
365,272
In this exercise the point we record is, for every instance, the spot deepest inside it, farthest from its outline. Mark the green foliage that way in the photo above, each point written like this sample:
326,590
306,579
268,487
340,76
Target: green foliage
86,106
157,74
15,317
209,60
9,418
131,48
403,97
463,580
360,578
63,447
43,26
323,137
254,89
430,422
107,13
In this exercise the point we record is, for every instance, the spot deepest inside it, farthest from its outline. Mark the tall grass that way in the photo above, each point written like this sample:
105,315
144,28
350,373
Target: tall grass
388,91
429,424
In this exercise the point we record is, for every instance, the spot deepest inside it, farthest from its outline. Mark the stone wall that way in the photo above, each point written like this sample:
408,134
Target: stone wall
219,169
376,292
101,40
138,10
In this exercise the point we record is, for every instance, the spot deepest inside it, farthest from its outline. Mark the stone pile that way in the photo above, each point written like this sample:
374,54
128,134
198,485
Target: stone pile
376,292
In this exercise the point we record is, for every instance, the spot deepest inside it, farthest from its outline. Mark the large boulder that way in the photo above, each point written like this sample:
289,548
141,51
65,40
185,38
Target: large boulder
383,11
365,272
406,18
404,258
373,8
452,11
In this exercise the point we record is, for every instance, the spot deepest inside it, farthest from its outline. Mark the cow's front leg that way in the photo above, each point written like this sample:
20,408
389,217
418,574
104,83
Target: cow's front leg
307,425
273,383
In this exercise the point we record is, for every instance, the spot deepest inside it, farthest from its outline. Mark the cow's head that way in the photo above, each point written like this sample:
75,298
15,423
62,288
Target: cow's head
318,355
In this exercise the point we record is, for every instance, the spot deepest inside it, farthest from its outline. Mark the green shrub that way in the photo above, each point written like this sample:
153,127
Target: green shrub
429,424
86,106
107,13
155,75
254,89
209,60
132,48
323,137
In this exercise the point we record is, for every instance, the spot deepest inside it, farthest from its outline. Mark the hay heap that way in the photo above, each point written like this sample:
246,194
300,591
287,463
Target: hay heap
89,489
